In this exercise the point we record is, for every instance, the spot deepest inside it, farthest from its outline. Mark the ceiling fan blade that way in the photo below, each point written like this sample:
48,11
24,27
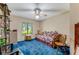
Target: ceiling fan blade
23,9
51,10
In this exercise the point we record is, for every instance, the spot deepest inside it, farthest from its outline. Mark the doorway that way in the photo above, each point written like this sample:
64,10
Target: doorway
76,37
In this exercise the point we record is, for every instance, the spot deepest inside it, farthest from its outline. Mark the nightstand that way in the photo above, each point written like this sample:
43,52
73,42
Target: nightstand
28,37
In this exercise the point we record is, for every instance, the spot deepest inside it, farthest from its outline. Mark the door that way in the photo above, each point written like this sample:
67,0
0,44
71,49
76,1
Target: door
76,36
13,36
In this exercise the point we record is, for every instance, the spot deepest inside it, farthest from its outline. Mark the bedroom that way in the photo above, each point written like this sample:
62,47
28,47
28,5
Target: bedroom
36,29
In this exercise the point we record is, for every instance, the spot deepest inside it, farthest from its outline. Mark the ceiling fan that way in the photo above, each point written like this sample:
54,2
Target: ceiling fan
38,11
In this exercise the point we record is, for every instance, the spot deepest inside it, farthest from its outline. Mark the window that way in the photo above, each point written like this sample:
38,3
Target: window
29,28
26,28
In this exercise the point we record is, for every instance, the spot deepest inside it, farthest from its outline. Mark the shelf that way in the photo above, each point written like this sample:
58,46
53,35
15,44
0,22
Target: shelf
4,28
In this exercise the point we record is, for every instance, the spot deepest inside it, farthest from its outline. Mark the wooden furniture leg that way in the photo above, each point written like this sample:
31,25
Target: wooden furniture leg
0,51
11,47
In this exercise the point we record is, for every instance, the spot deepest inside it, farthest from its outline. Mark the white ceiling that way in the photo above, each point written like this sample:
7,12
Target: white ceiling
23,9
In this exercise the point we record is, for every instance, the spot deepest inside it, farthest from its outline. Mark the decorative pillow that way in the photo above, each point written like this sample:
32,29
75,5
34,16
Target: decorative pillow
56,38
62,38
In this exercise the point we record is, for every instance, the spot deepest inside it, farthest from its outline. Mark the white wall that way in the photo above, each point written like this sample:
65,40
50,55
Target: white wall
58,23
16,23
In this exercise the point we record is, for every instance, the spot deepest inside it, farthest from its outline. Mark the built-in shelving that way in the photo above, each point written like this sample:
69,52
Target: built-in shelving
4,29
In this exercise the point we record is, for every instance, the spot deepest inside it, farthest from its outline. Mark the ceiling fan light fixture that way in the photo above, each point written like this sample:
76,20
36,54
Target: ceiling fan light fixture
37,16
37,11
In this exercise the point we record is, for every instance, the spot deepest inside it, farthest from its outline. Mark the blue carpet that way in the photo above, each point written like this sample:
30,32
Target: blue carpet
35,47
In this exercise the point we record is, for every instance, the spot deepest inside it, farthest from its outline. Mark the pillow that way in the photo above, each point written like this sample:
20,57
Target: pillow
62,38
56,37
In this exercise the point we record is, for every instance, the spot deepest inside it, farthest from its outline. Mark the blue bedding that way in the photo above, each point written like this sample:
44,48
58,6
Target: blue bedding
35,47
